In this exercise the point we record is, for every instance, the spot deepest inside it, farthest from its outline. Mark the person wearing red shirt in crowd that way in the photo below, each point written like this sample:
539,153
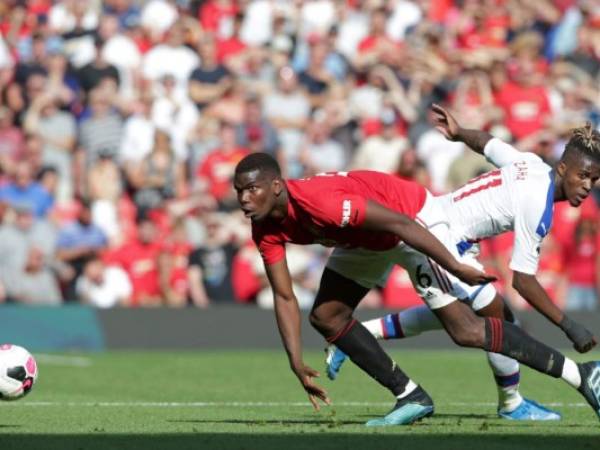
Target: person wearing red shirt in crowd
485,30
140,258
246,282
524,100
173,266
582,262
214,14
366,215
215,172
233,46
378,46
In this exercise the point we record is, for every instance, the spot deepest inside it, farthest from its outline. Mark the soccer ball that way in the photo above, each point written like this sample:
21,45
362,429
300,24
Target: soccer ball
18,372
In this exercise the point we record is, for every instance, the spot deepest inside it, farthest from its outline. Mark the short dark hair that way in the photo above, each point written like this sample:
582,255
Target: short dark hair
262,162
584,140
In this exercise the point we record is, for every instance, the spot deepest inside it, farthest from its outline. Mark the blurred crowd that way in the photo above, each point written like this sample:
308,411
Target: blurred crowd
121,122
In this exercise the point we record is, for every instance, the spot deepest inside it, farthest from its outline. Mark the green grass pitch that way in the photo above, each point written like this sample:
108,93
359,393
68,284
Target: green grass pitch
250,400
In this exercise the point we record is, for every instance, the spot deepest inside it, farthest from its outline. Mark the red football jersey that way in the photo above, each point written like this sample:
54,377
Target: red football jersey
328,209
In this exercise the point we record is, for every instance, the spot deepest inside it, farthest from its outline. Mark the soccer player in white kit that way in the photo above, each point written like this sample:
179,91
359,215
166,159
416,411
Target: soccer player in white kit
518,196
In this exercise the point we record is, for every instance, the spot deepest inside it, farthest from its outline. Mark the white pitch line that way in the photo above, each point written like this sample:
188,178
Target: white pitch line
244,404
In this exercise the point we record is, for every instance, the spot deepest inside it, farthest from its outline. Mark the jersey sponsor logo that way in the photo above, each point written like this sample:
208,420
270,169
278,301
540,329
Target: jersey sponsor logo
346,212
481,183
521,167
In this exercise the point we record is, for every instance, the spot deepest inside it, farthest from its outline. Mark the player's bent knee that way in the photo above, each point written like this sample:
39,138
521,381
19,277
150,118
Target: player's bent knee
321,322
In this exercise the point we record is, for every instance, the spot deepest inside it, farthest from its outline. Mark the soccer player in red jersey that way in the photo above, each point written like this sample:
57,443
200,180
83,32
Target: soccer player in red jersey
368,217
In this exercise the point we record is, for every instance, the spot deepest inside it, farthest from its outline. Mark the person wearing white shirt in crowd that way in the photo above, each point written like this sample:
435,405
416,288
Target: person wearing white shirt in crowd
171,59
173,112
122,52
103,286
138,132
382,151
157,17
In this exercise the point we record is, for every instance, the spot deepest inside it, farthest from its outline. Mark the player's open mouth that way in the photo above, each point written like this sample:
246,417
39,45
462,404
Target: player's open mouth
248,213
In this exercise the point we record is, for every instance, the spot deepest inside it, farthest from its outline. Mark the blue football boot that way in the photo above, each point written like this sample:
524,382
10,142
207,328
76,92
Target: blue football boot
530,410
414,406
333,361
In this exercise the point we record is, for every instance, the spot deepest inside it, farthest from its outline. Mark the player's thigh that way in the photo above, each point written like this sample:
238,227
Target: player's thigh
337,297
479,297
366,268
430,281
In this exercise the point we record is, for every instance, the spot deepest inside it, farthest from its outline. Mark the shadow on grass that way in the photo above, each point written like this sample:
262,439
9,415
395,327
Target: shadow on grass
403,438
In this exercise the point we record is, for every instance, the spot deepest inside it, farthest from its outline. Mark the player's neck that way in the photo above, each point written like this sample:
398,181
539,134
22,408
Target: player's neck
559,192
280,211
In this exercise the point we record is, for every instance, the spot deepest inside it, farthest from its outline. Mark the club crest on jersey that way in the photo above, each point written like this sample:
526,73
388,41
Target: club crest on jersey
346,211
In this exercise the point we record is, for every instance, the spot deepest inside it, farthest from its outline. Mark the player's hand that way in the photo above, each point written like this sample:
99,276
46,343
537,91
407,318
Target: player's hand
583,340
473,276
315,392
445,123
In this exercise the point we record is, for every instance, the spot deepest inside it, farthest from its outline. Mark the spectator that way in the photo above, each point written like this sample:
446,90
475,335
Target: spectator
27,266
215,172
102,131
78,242
157,17
121,51
524,100
231,50
316,78
158,177
378,47
57,130
12,141
210,265
139,258
288,110
581,261
23,189
171,59
211,79
319,152
256,131
216,16
138,132
174,266
98,71
381,152
172,111
103,286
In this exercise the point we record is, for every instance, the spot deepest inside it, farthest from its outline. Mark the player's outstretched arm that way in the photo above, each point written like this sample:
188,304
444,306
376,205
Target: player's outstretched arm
288,318
531,290
446,124
379,218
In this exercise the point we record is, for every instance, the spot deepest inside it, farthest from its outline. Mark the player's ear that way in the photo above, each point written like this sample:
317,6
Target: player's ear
277,186
561,168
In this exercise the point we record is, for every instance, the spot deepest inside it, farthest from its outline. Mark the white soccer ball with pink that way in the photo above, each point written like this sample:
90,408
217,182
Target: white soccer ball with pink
18,372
